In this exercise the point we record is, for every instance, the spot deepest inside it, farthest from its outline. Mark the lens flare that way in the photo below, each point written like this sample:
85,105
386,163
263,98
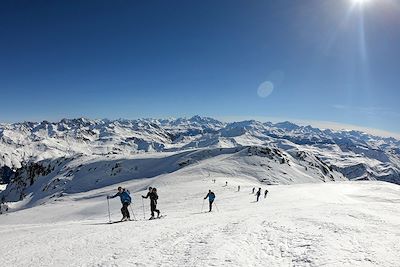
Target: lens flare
265,89
360,2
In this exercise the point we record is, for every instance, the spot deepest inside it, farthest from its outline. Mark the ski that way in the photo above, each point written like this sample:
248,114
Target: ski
159,217
113,222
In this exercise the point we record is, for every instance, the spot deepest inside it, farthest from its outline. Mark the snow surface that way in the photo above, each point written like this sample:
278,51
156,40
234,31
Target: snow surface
320,224
2,187
39,182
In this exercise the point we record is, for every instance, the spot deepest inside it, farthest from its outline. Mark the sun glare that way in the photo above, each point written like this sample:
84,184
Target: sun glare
360,2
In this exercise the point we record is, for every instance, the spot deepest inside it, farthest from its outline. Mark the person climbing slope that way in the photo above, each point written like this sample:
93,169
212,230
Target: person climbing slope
211,198
153,202
258,193
125,200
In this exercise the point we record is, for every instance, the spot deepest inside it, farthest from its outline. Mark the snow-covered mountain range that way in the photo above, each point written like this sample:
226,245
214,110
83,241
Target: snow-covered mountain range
355,154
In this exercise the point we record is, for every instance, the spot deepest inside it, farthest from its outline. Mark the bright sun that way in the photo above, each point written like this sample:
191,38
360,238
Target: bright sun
360,2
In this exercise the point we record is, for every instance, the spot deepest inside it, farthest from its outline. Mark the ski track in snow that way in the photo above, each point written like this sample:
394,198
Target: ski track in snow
341,224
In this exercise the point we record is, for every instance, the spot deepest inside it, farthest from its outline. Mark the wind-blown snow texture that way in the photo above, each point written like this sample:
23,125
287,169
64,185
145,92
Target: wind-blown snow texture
59,175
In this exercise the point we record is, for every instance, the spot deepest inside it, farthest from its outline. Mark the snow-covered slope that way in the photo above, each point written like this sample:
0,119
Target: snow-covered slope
320,224
355,154
37,182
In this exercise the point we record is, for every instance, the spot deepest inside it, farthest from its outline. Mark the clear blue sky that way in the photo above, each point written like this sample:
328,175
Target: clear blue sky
329,60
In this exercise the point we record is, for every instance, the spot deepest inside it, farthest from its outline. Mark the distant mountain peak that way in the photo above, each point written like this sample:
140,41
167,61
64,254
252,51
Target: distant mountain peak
34,141
287,125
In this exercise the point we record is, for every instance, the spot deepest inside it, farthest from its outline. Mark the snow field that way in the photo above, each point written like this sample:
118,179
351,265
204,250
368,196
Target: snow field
330,224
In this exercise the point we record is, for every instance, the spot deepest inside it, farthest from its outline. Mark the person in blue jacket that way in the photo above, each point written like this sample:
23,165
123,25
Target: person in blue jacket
123,194
211,197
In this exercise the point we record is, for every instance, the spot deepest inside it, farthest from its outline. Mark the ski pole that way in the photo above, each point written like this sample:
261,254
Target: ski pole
216,206
134,217
202,206
144,216
108,205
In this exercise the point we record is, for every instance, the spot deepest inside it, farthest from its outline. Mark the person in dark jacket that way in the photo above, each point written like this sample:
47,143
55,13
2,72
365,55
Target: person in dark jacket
211,197
123,194
265,193
153,202
253,190
258,193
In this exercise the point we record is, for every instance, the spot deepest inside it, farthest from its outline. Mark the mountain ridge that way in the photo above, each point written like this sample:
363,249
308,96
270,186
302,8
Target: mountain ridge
355,154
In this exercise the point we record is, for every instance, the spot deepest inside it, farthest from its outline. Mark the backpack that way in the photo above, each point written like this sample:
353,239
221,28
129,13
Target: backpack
212,196
125,197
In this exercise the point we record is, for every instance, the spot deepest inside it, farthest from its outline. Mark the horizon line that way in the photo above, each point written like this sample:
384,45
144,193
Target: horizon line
322,125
